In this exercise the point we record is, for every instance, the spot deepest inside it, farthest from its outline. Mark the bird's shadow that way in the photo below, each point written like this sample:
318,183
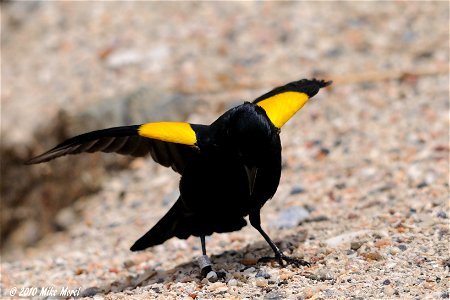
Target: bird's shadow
225,264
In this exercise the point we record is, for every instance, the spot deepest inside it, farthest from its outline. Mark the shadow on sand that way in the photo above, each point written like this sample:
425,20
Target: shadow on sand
225,265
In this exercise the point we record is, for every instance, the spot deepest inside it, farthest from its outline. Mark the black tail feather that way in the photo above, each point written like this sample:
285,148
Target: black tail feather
165,229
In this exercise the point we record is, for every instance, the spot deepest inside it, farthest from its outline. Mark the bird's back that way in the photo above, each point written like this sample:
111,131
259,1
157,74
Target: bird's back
214,187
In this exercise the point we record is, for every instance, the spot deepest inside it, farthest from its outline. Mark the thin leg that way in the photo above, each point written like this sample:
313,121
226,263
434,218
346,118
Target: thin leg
202,239
255,220
203,261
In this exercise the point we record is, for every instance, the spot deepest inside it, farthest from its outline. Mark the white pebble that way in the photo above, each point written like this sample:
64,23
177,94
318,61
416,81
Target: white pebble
249,270
233,282
217,286
212,276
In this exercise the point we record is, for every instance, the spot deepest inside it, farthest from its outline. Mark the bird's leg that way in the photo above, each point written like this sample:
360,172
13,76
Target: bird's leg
203,261
279,256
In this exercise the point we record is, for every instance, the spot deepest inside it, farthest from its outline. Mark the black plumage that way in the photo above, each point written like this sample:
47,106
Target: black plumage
229,169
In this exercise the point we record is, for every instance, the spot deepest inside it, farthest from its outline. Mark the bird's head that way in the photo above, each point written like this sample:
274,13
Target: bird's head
251,134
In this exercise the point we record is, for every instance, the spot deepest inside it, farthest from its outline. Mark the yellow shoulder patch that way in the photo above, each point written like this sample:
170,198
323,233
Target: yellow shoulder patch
174,132
281,107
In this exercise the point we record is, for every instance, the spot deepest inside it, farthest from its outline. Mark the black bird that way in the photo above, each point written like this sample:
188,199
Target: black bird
229,169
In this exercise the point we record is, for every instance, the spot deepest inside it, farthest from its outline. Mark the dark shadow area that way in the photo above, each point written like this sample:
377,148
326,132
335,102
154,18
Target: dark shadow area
32,196
228,264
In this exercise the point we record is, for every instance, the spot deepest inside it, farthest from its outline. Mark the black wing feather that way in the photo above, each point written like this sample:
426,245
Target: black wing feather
309,87
162,155
123,140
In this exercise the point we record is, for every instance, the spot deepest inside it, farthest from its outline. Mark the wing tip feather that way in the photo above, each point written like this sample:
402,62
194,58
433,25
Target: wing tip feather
309,86
39,159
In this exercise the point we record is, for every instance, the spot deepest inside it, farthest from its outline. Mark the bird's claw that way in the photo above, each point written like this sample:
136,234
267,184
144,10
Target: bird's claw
284,258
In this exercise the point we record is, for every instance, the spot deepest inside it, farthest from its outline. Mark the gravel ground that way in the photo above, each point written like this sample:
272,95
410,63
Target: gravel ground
364,190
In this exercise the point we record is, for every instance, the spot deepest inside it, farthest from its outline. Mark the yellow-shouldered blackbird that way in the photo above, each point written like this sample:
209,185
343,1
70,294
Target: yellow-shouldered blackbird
229,169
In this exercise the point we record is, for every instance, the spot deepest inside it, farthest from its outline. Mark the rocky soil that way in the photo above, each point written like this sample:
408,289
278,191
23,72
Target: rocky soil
364,190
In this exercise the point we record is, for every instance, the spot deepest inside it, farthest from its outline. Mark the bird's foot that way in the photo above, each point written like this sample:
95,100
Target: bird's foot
284,258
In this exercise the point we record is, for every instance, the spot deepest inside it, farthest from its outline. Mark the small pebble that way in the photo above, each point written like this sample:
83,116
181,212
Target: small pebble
394,250
323,152
442,214
261,282
262,274
320,275
428,285
232,282
185,279
346,237
285,276
297,190
90,291
274,295
388,290
328,293
212,276
216,286
387,282
382,243
350,252
237,275
60,261
282,282
249,270
320,218
372,256
340,186
402,247
356,245
290,217
249,261
79,271
422,185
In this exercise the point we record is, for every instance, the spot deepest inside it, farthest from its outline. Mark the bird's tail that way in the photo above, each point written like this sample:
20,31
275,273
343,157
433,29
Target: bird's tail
165,229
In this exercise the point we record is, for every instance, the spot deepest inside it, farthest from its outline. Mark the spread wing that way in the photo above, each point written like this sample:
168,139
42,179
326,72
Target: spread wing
171,144
281,103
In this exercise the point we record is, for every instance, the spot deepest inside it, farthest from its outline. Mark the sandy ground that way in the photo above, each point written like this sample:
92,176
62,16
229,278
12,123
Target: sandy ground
365,163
